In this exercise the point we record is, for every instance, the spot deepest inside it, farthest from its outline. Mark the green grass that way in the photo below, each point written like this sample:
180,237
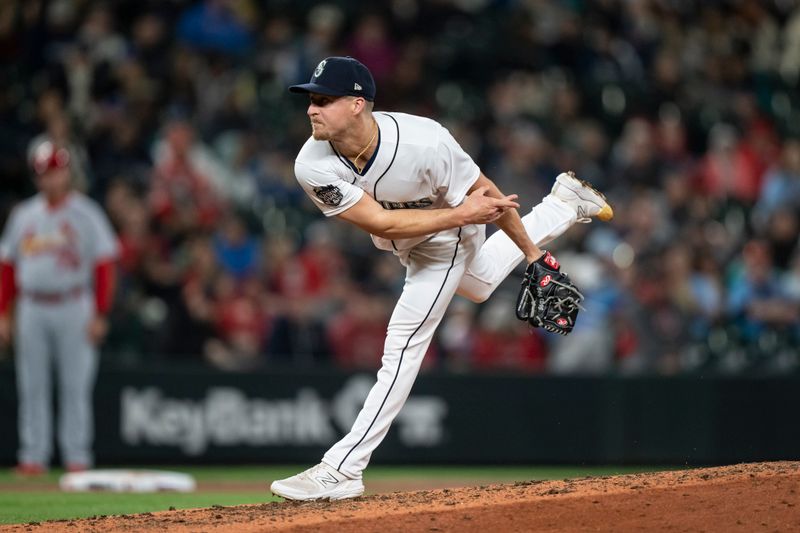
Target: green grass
22,507
36,500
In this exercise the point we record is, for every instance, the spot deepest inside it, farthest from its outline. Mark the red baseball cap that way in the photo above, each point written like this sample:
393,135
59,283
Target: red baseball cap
48,156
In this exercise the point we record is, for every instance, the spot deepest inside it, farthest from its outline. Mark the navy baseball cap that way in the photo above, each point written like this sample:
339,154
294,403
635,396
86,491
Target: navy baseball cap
339,76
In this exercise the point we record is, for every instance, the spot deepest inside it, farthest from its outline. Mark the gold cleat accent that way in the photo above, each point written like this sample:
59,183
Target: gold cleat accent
585,199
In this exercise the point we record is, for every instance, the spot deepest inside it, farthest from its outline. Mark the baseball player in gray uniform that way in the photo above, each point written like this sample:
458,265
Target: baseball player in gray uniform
406,181
57,257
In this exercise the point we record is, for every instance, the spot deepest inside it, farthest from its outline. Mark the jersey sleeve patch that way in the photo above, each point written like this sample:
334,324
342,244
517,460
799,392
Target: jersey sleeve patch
329,195
327,189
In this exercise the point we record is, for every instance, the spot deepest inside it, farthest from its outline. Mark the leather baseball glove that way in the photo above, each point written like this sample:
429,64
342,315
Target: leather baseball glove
547,298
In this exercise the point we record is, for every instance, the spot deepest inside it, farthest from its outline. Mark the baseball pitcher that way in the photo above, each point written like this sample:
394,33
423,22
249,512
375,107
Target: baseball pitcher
406,181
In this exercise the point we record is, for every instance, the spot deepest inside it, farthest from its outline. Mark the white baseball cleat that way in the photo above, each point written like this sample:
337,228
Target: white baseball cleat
321,482
587,201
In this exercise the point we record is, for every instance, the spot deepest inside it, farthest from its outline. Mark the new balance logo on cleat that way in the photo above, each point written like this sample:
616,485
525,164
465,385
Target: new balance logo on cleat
327,479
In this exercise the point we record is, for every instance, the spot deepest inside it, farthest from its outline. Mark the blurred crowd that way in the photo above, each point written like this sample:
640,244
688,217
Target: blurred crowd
686,112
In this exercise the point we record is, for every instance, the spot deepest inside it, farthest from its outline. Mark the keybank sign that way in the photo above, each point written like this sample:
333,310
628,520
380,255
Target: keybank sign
227,417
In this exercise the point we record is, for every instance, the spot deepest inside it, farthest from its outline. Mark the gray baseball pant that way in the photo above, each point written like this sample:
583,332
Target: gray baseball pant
53,336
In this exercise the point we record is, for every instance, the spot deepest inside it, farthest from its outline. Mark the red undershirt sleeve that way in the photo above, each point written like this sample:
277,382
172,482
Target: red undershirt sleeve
104,282
8,286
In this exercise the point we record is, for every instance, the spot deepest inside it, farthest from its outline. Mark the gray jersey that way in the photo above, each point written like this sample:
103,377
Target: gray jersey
417,165
55,249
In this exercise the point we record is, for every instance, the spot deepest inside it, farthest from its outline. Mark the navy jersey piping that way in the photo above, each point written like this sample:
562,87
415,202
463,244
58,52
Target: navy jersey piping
394,155
349,164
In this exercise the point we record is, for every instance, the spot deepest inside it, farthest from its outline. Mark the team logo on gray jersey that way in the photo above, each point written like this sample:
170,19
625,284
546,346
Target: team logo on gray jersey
320,68
329,194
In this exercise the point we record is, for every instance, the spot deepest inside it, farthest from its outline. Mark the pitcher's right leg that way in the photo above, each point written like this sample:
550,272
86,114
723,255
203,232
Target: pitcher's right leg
431,282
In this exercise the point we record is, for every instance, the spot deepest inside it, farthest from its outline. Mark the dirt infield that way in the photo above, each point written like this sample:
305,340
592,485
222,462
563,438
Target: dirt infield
749,497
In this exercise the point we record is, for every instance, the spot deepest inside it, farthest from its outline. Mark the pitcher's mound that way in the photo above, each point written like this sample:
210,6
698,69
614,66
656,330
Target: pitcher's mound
748,497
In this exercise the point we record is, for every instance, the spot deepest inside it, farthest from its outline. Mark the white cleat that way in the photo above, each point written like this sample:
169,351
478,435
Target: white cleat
321,482
587,201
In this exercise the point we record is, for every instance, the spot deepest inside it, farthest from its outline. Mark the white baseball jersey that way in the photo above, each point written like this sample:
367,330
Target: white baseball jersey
55,249
416,165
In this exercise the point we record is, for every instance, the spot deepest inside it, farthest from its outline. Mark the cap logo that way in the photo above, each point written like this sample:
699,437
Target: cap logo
320,68
356,87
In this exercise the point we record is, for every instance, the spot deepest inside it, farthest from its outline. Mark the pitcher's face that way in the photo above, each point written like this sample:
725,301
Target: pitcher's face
330,116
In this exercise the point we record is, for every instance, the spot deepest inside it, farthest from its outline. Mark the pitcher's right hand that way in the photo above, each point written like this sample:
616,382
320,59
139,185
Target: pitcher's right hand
478,208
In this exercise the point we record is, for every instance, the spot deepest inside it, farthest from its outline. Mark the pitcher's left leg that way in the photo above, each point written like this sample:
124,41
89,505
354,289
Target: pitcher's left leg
570,200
